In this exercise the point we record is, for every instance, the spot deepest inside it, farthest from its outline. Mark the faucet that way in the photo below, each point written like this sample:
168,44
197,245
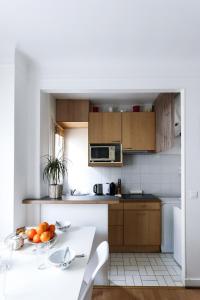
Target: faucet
72,192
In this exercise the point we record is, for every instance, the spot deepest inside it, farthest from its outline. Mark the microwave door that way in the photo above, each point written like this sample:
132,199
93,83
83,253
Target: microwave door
100,153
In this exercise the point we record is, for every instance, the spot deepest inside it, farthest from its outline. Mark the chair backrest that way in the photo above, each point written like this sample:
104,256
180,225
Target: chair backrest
95,263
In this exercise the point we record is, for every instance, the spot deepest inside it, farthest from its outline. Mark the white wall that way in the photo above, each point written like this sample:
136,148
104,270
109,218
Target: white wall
47,123
6,149
153,173
26,172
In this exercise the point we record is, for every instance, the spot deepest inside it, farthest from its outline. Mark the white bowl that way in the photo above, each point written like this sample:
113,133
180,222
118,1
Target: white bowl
64,226
56,258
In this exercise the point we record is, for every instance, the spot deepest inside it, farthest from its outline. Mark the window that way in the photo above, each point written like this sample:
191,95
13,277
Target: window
59,142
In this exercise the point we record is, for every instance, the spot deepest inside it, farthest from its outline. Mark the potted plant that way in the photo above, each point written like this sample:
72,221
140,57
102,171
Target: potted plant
54,172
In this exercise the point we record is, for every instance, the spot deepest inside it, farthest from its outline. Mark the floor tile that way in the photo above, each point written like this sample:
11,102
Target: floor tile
116,277
129,280
161,272
150,283
159,268
137,280
132,273
131,268
169,280
161,281
148,277
144,269
118,282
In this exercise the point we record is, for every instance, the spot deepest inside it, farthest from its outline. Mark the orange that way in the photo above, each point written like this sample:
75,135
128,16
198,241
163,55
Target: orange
36,238
52,228
41,228
51,234
31,233
46,225
45,236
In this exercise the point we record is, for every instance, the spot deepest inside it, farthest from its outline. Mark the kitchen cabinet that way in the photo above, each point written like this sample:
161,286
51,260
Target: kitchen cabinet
165,127
115,225
104,127
72,113
138,131
135,226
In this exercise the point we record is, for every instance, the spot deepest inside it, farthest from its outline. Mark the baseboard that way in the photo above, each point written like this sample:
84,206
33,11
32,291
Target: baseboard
192,282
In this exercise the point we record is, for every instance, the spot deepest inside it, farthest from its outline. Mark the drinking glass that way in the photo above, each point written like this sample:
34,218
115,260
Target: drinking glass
42,252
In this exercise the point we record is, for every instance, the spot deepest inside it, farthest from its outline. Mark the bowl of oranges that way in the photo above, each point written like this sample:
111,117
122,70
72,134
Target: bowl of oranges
42,234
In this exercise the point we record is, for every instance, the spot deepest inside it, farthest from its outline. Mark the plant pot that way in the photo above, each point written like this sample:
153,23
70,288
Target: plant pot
55,191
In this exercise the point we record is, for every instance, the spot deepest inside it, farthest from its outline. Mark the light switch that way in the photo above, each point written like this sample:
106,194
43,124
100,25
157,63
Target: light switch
194,194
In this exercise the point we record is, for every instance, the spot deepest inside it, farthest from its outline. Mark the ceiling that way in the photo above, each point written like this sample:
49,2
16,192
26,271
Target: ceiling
56,31
111,98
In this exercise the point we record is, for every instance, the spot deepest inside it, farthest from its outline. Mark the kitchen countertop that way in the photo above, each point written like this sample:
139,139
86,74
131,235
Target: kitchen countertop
92,199
87,199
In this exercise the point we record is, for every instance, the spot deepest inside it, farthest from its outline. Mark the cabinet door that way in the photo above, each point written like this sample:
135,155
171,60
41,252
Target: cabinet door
104,127
165,129
141,228
138,131
72,110
115,235
111,129
95,127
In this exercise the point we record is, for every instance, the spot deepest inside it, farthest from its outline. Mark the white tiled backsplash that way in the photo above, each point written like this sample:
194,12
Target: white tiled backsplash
153,173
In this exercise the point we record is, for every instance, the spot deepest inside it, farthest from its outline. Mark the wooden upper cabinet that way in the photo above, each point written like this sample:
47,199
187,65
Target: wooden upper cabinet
72,110
165,130
105,127
138,131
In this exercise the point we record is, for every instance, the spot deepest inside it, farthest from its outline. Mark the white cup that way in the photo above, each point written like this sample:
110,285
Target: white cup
106,188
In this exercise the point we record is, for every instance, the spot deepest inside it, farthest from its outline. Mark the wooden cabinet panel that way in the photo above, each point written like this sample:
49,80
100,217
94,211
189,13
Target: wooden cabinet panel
141,228
72,110
142,205
116,217
138,131
115,235
118,206
111,129
104,127
95,127
165,130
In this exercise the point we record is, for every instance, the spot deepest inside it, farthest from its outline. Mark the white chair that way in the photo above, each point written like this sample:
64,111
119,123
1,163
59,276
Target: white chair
95,263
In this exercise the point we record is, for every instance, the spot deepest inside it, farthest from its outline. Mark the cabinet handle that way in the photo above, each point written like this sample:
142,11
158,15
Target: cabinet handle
128,149
115,141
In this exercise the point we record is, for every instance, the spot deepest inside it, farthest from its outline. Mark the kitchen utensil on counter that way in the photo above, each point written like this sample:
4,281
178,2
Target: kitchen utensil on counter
112,188
106,188
98,189
119,187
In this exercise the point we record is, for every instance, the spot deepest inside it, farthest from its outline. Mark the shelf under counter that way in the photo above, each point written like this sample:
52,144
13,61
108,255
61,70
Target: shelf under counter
74,200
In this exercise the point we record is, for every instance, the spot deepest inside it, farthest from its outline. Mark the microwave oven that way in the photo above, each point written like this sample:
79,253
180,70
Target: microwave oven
103,153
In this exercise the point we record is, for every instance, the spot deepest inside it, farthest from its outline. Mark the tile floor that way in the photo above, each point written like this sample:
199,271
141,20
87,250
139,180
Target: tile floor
144,269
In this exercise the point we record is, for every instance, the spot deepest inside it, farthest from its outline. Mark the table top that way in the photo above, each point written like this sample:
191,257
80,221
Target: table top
24,280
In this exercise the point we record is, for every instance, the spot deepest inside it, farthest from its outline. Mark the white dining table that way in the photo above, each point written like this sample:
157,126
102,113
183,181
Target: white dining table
24,281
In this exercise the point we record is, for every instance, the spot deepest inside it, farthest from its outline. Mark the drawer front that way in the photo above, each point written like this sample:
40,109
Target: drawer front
118,206
115,235
116,217
142,205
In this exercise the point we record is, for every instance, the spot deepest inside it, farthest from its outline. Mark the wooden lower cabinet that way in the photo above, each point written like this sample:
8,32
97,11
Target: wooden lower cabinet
116,236
141,228
135,227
